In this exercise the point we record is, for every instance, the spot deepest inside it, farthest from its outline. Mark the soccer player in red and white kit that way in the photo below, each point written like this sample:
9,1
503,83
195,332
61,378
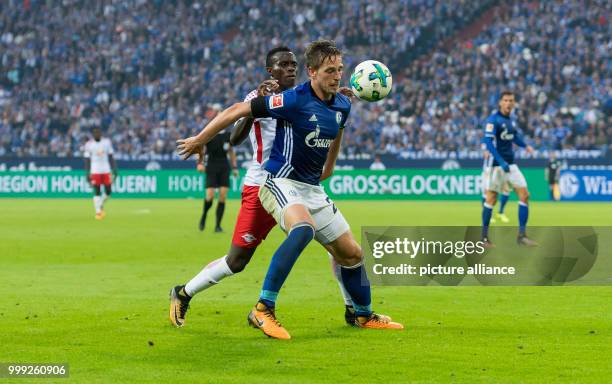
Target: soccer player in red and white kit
99,163
253,223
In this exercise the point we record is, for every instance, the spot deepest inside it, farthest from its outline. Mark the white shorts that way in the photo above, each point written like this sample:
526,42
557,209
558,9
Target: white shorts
276,195
498,178
486,182
486,178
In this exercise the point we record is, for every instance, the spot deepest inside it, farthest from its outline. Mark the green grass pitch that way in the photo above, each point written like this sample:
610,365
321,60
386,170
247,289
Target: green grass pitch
95,295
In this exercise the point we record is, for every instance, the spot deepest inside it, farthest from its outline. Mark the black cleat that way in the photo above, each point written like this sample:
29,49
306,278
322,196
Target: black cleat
349,316
202,223
179,304
523,240
218,229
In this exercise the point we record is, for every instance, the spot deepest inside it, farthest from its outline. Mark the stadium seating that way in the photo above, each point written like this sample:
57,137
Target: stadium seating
150,72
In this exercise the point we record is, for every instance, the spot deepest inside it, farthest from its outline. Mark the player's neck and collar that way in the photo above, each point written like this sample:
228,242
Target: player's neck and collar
504,115
330,101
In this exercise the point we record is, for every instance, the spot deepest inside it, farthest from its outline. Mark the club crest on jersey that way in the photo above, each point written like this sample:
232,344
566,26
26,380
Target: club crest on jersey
312,140
276,101
248,238
338,117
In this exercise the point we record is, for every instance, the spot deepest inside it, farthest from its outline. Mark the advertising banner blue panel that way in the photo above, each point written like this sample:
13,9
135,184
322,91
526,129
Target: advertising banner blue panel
586,185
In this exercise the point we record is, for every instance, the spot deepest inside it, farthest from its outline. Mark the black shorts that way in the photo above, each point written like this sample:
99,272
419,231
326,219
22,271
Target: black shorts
218,177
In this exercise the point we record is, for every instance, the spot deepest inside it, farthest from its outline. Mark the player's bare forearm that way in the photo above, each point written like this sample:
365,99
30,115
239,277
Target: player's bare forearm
192,145
241,130
225,118
332,156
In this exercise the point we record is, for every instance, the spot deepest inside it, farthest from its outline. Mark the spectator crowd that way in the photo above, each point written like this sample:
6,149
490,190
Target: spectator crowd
150,72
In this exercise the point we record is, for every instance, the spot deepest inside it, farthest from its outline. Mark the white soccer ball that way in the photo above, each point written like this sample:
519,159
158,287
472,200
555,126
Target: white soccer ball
371,81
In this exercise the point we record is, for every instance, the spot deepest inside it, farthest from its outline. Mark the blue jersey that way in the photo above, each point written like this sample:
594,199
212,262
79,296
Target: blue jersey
306,127
503,132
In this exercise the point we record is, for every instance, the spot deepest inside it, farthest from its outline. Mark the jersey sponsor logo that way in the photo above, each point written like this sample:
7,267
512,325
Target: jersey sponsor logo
505,135
312,140
276,101
489,127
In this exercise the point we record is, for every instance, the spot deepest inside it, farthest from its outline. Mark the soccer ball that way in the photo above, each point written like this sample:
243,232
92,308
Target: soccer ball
371,81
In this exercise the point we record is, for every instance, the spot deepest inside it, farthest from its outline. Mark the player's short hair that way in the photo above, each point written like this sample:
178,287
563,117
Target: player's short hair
506,93
318,51
273,52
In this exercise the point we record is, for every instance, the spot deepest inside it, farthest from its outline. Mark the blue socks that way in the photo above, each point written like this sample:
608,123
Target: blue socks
523,215
487,210
503,201
285,256
357,285
354,278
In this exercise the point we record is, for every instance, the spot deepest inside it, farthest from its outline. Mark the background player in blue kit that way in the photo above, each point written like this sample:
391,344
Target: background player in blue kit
500,135
312,117
487,169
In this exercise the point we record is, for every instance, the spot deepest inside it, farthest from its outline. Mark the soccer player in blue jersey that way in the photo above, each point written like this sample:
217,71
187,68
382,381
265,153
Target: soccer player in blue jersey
487,168
253,222
500,135
312,117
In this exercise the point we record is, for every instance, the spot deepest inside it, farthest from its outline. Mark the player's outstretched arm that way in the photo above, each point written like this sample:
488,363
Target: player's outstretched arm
241,130
193,145
518,140
243,126
332,156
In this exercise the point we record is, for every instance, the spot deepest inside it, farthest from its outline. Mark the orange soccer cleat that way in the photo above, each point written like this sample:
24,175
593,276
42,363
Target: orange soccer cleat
376,321
263,318
179,304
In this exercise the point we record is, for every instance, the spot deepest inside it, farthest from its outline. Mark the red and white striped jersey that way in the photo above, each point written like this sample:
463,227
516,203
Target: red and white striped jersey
97,152
262,136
